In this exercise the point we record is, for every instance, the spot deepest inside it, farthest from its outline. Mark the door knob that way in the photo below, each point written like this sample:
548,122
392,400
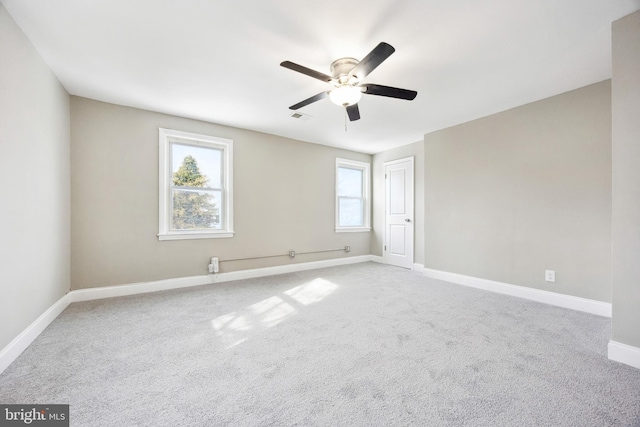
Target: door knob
407,220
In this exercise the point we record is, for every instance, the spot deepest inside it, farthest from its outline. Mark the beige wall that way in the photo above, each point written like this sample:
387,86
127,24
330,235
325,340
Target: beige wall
283,199
514,194
34,148
415,150
626,179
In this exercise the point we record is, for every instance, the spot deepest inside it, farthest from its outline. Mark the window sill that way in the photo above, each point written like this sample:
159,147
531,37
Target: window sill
195,235
353,230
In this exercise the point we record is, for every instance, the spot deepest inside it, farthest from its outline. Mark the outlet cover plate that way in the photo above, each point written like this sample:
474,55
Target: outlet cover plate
550,276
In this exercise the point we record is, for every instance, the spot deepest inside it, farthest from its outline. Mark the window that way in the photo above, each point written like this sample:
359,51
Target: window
195,186
352,196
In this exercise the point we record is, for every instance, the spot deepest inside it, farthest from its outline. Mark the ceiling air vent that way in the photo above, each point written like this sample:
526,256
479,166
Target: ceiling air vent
299,116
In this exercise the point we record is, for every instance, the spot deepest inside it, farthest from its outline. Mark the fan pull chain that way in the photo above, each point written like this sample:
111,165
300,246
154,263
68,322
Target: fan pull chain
345,119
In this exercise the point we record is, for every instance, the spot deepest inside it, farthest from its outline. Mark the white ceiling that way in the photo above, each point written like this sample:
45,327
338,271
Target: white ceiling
218,60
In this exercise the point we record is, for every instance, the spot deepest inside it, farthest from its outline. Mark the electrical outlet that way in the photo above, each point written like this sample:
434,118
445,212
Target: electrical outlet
550,276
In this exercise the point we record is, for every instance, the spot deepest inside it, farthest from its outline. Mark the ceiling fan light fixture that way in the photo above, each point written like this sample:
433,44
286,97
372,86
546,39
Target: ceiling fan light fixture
345,95
346,78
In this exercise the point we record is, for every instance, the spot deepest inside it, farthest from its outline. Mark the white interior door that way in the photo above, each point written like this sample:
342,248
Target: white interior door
398,239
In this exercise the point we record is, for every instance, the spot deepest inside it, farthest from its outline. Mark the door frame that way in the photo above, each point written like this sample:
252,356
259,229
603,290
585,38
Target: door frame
386,204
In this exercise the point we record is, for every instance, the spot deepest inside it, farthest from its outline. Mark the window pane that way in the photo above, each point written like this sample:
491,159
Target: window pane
349,182
351,212
196,166
196,210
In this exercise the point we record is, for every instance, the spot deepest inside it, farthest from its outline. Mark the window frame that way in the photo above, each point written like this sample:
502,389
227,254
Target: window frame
168,137
366,195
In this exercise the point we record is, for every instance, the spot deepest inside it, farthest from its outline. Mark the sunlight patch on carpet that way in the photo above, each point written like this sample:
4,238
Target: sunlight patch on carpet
312,292
236,327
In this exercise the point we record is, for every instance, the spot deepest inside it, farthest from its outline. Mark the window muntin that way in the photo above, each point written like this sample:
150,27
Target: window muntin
352,195
195,186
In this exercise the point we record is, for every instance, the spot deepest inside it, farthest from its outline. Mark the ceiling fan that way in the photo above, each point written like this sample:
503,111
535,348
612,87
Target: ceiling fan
346,78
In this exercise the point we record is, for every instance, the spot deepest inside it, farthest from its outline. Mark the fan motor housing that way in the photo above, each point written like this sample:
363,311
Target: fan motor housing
341,67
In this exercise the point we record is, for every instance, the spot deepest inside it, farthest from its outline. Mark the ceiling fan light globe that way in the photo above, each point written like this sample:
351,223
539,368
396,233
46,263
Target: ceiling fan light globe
345,95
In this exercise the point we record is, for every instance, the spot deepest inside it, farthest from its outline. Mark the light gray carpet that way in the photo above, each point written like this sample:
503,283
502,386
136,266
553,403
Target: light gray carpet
358,345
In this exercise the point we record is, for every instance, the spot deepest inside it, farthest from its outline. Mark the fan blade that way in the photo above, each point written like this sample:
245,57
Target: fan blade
353,112
372,60
307,71
308,101
391,92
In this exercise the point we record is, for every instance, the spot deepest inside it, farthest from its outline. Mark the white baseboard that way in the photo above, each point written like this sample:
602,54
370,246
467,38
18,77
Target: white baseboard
567,301
376,258
24,340
624,353
289,268
138,288
418,268
185,282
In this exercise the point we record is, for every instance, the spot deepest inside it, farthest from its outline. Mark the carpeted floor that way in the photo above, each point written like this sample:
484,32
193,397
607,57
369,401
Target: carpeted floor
357,345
